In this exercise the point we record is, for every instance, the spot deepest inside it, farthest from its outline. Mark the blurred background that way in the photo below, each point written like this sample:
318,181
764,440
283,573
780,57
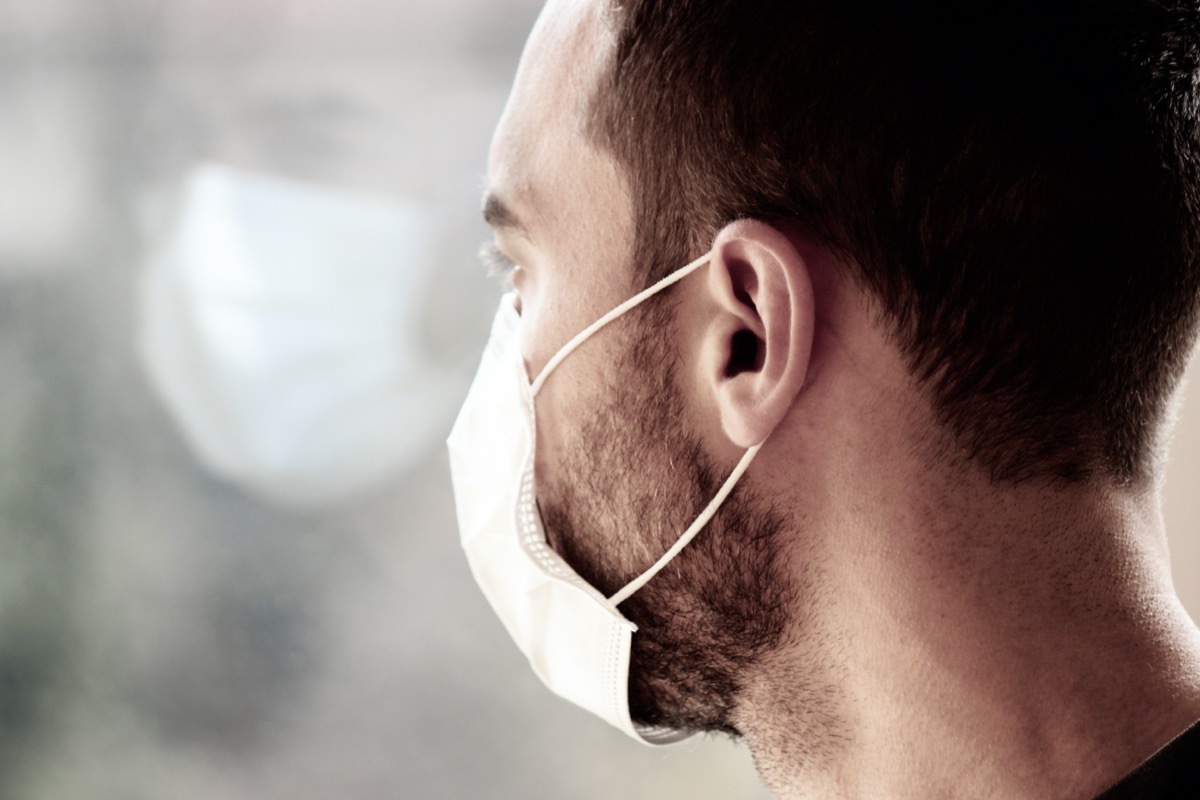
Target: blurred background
239,308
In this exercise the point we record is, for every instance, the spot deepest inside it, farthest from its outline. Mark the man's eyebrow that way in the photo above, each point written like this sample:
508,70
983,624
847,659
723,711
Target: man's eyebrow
498,215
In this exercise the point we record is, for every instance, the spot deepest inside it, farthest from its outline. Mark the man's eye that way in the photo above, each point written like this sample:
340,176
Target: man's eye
498,265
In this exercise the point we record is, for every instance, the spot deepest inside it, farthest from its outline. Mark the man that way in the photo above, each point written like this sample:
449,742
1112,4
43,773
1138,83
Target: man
886,454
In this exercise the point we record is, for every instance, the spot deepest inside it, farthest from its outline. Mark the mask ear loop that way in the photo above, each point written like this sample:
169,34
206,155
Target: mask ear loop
709,511
583,335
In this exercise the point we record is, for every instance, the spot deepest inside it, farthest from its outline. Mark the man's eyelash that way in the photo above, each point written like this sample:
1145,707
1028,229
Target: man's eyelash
498,265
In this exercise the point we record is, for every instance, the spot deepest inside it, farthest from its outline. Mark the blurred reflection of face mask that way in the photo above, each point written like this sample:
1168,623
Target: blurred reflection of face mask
279,326
575,638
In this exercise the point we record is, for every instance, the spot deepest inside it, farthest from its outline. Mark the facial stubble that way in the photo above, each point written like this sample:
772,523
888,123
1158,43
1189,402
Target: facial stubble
633,477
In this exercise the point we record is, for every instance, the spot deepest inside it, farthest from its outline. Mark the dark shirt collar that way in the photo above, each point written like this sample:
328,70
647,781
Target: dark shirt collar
1173,773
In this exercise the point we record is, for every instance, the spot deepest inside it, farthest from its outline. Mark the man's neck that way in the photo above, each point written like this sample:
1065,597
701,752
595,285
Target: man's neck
967,641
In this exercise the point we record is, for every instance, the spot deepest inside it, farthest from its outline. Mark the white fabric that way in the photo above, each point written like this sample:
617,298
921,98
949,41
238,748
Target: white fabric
279,326
576,640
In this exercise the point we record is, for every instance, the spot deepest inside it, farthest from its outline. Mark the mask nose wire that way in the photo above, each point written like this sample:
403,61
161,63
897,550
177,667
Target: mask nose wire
632,302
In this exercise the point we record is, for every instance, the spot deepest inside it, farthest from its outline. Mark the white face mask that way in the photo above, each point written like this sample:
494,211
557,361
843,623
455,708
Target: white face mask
574,637
278,324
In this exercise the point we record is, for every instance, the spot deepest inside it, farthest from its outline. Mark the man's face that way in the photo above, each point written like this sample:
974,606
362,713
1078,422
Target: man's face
620,470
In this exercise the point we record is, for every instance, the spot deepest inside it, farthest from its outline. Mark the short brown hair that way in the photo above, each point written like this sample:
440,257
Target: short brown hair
1015,182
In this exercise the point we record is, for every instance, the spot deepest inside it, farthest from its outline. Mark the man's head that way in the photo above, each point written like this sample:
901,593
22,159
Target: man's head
1005,201
1014,183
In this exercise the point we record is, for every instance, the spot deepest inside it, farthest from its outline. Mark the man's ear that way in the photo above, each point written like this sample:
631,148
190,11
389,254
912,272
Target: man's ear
757,346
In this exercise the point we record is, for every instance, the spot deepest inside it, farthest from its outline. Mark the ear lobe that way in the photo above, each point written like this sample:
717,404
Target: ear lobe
762,334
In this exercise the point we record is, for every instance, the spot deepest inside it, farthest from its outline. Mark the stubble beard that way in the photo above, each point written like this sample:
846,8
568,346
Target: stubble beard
633,479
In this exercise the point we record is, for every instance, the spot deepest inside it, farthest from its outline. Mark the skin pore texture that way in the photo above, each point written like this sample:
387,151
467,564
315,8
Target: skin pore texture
871,614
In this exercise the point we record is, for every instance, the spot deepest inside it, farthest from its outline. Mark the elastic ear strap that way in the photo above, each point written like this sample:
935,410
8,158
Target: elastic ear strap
690,533
583,335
